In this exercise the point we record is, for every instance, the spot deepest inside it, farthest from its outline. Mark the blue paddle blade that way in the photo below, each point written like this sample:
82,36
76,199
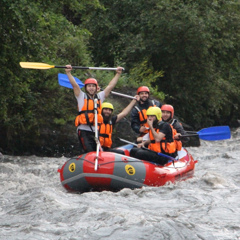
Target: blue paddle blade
64,81
215,133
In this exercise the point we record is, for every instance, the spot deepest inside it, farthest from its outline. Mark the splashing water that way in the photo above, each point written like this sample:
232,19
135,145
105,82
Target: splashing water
34,205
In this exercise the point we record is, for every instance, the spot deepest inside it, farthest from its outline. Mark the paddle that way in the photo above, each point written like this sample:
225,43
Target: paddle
64,81
96,135
212,133
35,65
160,154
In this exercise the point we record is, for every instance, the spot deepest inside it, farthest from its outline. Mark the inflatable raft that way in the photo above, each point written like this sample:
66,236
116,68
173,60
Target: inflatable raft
115,171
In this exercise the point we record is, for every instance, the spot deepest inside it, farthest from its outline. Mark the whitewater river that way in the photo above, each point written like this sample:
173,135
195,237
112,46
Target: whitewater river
34,205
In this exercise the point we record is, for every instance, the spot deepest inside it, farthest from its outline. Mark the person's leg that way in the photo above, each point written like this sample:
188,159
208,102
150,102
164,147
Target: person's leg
151,156
144,154
87,140
81,142
133,151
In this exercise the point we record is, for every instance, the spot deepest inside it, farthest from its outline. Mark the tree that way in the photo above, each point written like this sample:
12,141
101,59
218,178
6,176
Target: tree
31,99
195,44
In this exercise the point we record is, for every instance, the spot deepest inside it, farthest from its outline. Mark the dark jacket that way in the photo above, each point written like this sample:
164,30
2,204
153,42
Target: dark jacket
135,122
179,128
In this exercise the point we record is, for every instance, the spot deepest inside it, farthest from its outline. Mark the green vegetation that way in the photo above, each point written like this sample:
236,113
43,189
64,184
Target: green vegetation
195,44
187,52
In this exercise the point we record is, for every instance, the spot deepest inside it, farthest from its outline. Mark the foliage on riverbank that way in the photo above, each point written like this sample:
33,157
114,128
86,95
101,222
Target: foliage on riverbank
187,52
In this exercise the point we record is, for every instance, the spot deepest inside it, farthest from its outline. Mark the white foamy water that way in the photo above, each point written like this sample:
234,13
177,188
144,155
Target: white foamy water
34,205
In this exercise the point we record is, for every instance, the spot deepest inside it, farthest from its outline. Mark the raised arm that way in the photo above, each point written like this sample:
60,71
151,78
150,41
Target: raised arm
113,82
127,109
76,88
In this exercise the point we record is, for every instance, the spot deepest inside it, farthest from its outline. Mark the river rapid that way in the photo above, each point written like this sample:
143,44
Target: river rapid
34,205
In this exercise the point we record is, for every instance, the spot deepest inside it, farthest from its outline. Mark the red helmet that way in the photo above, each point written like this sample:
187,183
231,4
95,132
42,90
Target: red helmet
143,89
169,108
91,81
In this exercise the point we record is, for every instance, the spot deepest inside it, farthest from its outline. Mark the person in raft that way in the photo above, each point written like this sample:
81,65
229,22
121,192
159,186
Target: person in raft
85,119
138,114
167,116
161,139
109,120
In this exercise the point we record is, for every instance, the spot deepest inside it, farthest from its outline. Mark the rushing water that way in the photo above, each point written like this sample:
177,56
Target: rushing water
34,205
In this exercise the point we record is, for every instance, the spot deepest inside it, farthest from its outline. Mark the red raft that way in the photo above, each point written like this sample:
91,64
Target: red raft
116,171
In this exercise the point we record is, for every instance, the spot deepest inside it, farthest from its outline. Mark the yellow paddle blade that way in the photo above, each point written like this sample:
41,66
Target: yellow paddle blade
35,65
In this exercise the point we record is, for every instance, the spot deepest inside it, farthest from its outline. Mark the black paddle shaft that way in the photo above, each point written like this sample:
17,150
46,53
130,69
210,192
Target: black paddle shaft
74,67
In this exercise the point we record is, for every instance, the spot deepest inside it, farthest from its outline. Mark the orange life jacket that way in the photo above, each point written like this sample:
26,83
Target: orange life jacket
105,134
143,116
165,145
86,114
177,142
